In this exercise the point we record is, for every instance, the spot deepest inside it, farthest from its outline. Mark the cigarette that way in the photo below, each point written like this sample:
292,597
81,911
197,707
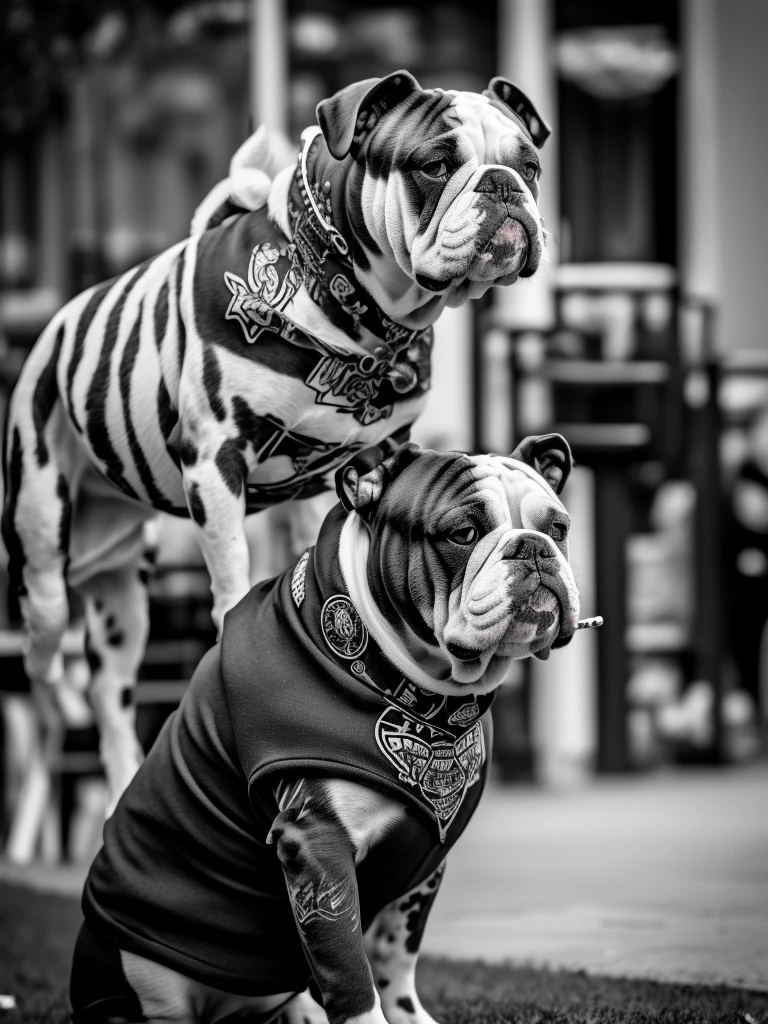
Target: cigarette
592,623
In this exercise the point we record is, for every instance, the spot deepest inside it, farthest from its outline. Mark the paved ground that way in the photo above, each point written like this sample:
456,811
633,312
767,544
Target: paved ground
660,876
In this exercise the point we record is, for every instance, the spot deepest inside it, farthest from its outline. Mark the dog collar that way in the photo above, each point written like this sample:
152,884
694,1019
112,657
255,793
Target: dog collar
328,275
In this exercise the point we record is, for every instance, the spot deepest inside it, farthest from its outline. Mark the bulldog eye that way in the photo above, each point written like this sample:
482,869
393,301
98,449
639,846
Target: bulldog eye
558,531
435,169
531,171
464,535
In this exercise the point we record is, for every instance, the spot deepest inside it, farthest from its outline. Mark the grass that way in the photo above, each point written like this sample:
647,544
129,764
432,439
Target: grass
37,933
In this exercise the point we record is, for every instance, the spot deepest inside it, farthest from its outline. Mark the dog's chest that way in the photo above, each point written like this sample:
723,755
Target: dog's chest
291,443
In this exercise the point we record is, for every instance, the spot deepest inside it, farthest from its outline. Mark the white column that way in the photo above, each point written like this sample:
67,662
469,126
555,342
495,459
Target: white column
563,688
269,64
564,691
699,150
526,57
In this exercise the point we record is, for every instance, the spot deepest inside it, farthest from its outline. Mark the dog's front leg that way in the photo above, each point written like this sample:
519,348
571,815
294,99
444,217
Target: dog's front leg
216,500
318,856
392,943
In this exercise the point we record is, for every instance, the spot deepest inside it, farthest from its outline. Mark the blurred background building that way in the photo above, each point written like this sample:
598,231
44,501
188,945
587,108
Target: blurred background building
642,341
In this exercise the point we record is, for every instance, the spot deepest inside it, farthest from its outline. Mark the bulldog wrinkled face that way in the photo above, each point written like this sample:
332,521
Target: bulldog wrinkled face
512,593
448,184
469,560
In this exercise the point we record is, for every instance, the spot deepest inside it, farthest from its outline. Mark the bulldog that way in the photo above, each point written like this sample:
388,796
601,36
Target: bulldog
241,367
290,826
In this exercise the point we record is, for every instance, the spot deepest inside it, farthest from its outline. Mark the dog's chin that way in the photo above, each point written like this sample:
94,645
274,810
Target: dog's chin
488,669
534,626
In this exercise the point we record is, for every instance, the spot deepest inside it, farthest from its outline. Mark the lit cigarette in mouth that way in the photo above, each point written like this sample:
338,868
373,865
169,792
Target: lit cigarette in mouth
592,623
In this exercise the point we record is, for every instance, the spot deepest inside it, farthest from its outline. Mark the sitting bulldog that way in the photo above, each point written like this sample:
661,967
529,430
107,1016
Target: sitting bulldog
286,836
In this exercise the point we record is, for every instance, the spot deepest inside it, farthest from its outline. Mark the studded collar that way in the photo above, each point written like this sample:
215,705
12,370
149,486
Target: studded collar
325,265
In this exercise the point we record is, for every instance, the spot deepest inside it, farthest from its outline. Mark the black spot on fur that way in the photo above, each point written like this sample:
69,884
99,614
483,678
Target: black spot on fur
188,452
391,937
98,604
93,658
246,420
143,577
44,399
109,622
406,1003
212,382
382,982
12,473
126,697
65,520
196,506
116,639
231,465
416,922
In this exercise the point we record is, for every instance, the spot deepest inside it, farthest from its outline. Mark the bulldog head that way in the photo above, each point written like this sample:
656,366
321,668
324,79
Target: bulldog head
459,564
437,191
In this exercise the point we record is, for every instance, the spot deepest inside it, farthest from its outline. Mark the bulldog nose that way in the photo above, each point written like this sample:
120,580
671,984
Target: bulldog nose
498,182
462,653
529,546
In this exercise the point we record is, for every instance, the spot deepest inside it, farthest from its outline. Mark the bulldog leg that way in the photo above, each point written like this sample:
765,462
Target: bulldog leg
215,492
36,528
392,944
320,833
117,623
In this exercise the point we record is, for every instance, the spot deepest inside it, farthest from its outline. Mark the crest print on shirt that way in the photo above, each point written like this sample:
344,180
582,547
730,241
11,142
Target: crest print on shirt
441,767
343,628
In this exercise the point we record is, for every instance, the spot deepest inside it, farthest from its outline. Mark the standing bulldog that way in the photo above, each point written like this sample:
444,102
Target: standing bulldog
242,366
290,825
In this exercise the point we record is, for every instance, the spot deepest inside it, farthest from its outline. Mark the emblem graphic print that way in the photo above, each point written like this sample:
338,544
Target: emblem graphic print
441,767
273,280
343,628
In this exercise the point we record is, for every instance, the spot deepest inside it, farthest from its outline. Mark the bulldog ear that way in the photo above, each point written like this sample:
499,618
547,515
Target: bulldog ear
362,481
515,100
347,116
550,455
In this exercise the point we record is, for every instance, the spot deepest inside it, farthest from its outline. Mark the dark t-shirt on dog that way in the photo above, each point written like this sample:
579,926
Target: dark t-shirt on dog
296,687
